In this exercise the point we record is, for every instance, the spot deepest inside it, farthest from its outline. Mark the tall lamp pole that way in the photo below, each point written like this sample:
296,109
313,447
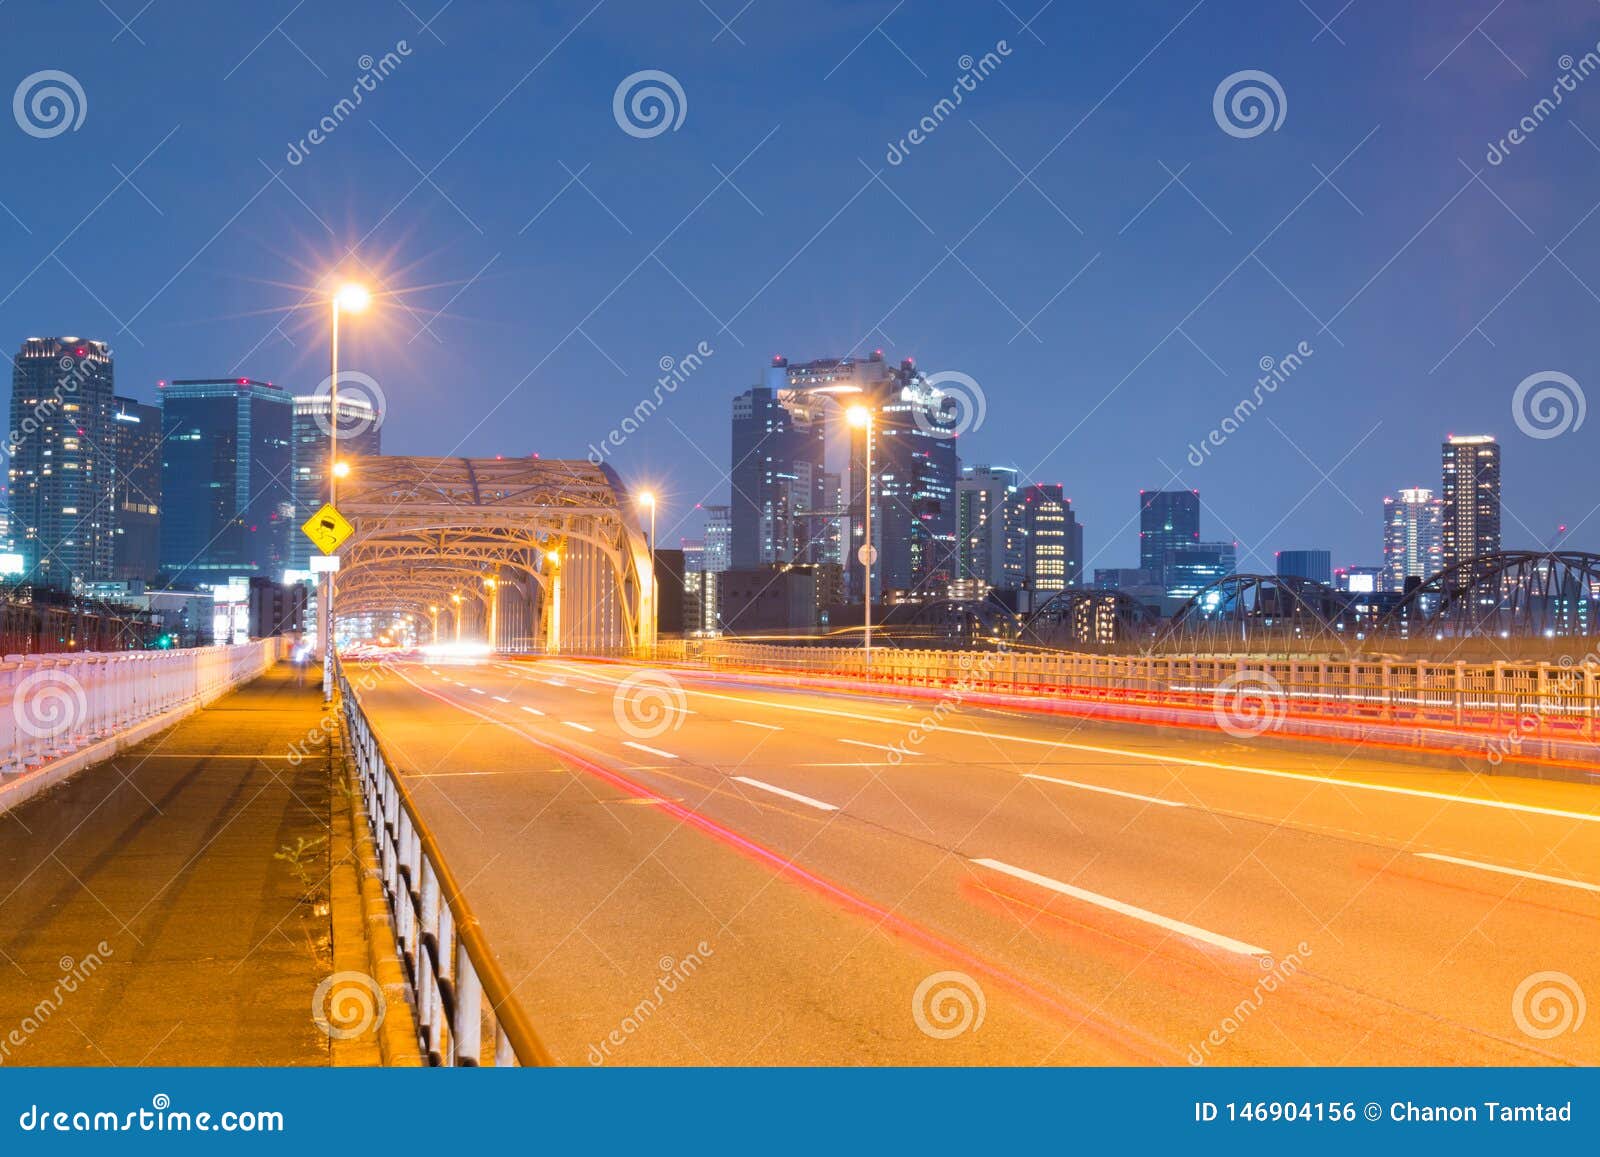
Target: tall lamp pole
649,499
861,418
349,299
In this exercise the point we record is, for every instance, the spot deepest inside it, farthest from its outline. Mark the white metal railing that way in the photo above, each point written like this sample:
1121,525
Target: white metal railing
1500,706
458,987
62,703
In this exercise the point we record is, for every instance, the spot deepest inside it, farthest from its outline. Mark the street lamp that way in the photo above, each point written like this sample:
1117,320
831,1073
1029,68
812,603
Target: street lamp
861,418
456,598
433,609
349,298
649,499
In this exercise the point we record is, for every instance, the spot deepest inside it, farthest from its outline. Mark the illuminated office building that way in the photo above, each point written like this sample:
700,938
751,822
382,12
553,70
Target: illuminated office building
1471,497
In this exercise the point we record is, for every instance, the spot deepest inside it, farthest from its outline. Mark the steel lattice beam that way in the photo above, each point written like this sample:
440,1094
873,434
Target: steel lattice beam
422,524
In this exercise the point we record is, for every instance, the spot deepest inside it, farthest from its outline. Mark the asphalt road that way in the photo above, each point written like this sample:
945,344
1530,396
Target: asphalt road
696,869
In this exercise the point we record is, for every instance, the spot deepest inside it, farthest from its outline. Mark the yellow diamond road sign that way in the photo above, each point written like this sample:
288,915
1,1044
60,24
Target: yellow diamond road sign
328,528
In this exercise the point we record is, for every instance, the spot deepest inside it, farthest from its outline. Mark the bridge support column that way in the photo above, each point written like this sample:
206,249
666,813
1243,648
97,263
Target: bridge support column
552,615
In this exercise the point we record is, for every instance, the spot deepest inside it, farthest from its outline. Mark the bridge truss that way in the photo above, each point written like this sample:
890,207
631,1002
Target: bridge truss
1508,594
1249,612
550,545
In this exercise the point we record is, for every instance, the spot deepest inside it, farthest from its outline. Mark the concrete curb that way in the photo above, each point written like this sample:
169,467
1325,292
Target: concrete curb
363,932
15,789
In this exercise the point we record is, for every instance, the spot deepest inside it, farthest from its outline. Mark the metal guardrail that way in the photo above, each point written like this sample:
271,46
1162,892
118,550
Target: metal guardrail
1509,707
62,703
466,1012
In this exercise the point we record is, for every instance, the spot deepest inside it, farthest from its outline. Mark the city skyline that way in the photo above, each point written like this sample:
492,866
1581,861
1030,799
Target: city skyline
365,415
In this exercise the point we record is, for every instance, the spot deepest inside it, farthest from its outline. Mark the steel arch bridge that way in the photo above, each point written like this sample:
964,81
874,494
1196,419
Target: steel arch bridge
1511,593
1090,618
950,620
498,541
1256,612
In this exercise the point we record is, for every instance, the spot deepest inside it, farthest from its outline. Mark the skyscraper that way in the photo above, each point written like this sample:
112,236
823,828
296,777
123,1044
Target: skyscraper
1413,537
358,435
784,508
1053,541
772,461
226,480
1186,569
63,460
1471,497
718,539
136,550
1316,565
1168,519
989,539
914,474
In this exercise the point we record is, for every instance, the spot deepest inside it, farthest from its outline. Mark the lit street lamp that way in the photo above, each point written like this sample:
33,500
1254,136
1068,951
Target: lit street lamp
649,499
456,598
350,298
861,418
433,610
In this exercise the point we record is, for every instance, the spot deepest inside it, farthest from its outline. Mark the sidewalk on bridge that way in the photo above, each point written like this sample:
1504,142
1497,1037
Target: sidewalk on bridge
171,905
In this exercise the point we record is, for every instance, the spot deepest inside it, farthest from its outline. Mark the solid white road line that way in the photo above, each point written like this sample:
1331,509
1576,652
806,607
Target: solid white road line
763,726
1170,758
1106,790
578,726
786,794
649,750
880,747
1541,877
532,710
1226,943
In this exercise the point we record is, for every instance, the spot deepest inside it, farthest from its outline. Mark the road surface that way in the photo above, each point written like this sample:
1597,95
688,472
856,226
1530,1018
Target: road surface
681,868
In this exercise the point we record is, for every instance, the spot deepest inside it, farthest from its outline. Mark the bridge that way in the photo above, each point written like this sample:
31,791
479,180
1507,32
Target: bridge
774,855
534,552
732,852
592,846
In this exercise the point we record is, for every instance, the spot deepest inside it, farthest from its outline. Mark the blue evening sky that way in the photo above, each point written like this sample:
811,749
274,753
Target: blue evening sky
1080,236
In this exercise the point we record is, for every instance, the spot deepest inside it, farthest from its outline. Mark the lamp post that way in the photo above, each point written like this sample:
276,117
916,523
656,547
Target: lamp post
861,418
433,609
649,499
456,598
349,299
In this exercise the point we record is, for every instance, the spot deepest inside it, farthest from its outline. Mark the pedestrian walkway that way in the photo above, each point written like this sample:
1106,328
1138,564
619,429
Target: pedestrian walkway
170,906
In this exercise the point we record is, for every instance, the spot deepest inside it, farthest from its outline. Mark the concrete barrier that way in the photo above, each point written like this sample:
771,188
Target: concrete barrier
62,713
